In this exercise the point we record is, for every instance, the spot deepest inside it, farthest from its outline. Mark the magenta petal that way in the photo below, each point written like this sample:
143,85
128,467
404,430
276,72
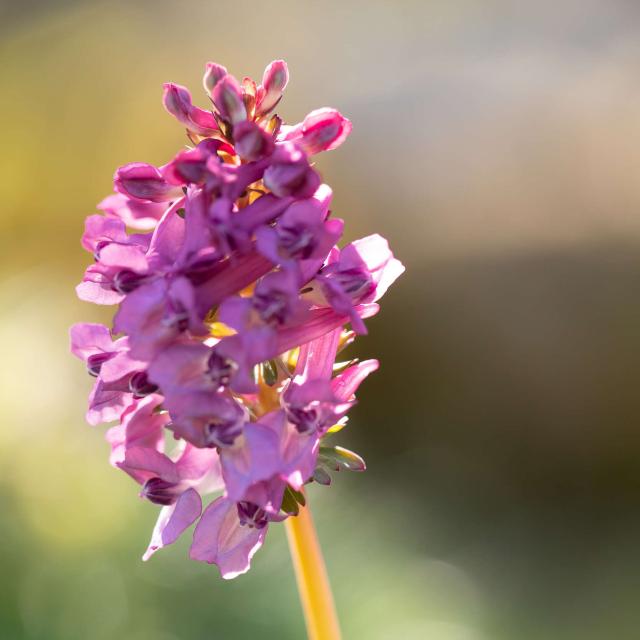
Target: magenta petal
143,462
323,130
181,366
212,75
120,366
195,463
98,229
227,97
274,82
373,252
220,539
167,238
105,404
251,460
347,383
142,181
261,211
97,288
177,101
232,276
141,427
316,358
89,338
251,141
173,520
297,453
137,215
234,312
320,322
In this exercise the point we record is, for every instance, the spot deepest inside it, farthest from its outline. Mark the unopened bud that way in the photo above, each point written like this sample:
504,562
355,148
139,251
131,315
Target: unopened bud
213,73
177,101
228,99
290,174
323,130
251,141
141,181
274,81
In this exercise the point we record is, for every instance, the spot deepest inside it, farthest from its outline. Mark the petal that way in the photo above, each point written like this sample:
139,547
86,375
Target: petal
347,383
137,215
173,520
105,404
274,82
177,101
167,238
88,338
254,458
316,358
99,227
220,539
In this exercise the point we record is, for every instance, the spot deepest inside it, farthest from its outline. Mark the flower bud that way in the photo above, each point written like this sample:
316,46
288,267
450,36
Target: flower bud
290,173
323,130
141,181
228,99
274,81
251,141
212,75
177,101
190,165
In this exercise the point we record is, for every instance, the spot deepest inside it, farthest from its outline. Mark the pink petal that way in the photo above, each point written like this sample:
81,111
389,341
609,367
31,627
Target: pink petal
220,539
173,520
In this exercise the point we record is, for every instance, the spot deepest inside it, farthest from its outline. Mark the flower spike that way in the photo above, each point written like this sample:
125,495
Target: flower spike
233,301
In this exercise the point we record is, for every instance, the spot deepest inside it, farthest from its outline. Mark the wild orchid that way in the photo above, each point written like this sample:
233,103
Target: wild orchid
234,303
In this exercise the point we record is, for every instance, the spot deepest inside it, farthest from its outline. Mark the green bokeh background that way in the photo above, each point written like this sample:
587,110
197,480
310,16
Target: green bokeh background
496,144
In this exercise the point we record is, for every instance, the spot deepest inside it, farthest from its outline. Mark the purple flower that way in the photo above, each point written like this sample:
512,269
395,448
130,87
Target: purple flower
125,262
359,274
303,233
157,313
233,304
236,357
275,302
198,474
206,419
110,362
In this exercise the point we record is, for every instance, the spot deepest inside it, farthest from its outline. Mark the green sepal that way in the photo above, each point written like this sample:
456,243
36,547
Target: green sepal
321,476
291,501
289,504
270,372
298,496
338,458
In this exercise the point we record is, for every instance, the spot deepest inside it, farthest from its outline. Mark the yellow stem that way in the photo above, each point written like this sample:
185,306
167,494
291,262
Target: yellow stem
311,576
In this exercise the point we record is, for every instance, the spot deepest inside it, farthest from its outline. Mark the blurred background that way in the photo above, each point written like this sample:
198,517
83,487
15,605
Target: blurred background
497,145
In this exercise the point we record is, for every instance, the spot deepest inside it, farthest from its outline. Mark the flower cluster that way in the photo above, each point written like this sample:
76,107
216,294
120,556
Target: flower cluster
233,303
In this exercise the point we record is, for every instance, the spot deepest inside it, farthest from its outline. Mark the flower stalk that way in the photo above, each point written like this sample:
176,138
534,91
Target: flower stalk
311,576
